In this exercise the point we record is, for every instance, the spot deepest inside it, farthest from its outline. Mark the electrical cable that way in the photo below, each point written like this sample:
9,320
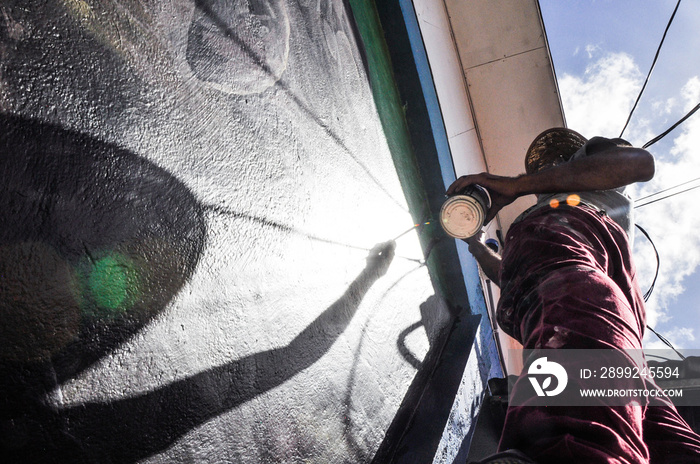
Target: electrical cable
666,189
646,81
665,133
651,289
653,64
648,293
667,196
666,342
658,263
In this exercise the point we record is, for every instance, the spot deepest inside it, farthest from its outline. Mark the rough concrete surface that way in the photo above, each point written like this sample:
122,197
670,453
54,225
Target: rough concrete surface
196,199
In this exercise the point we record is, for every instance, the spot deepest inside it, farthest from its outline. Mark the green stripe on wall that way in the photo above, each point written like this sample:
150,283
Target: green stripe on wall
393,118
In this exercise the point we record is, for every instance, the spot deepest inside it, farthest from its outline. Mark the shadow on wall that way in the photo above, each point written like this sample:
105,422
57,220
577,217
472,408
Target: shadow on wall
434,325
94,242
134,428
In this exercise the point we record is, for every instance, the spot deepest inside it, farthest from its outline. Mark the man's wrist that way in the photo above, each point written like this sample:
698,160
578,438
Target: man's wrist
478,248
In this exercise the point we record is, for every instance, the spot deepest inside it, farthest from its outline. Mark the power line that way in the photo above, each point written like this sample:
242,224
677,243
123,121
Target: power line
658,263
665,341
646,81
666,189
667,196
651,289
653,64
648,144
665,133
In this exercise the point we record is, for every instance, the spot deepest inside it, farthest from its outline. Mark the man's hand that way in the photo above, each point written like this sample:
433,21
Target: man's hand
380,257
475,242
503,190
489,261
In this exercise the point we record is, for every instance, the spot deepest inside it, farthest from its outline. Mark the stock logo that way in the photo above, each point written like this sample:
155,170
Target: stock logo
546,370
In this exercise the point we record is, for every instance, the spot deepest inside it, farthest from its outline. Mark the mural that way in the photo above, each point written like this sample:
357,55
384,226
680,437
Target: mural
240,46
196,253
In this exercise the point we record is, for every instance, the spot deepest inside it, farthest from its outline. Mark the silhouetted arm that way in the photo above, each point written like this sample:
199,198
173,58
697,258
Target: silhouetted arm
133,428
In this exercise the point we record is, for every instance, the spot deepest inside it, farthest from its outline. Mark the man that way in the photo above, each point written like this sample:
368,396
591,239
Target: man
568,282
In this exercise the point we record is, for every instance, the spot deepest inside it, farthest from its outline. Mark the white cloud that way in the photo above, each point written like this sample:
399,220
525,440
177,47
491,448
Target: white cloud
680,338
665,107
591,49
598,103
673,222
691,90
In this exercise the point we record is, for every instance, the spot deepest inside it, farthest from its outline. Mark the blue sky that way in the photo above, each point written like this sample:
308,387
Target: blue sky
602,51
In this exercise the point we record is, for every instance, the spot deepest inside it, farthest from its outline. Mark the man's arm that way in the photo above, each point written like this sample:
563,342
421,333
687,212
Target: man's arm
607,167
489,261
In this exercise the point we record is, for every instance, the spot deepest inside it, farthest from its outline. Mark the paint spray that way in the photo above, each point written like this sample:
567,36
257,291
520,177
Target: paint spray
462,216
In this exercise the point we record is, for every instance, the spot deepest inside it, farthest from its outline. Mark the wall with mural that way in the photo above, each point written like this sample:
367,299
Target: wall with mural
202,248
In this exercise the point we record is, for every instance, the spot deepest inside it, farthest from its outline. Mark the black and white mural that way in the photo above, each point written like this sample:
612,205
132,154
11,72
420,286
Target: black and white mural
196,255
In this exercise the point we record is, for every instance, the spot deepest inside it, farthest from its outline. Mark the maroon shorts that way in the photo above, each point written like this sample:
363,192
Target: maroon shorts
568,282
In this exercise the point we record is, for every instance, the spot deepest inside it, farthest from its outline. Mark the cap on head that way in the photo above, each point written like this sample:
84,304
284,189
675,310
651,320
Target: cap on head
552,147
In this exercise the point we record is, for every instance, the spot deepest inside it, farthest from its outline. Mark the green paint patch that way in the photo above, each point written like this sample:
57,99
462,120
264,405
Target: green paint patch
110,286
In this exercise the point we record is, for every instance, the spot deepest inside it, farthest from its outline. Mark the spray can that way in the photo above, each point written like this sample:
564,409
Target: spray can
462,216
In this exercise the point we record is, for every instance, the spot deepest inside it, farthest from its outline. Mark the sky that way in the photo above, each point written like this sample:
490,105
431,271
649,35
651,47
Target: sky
602,51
